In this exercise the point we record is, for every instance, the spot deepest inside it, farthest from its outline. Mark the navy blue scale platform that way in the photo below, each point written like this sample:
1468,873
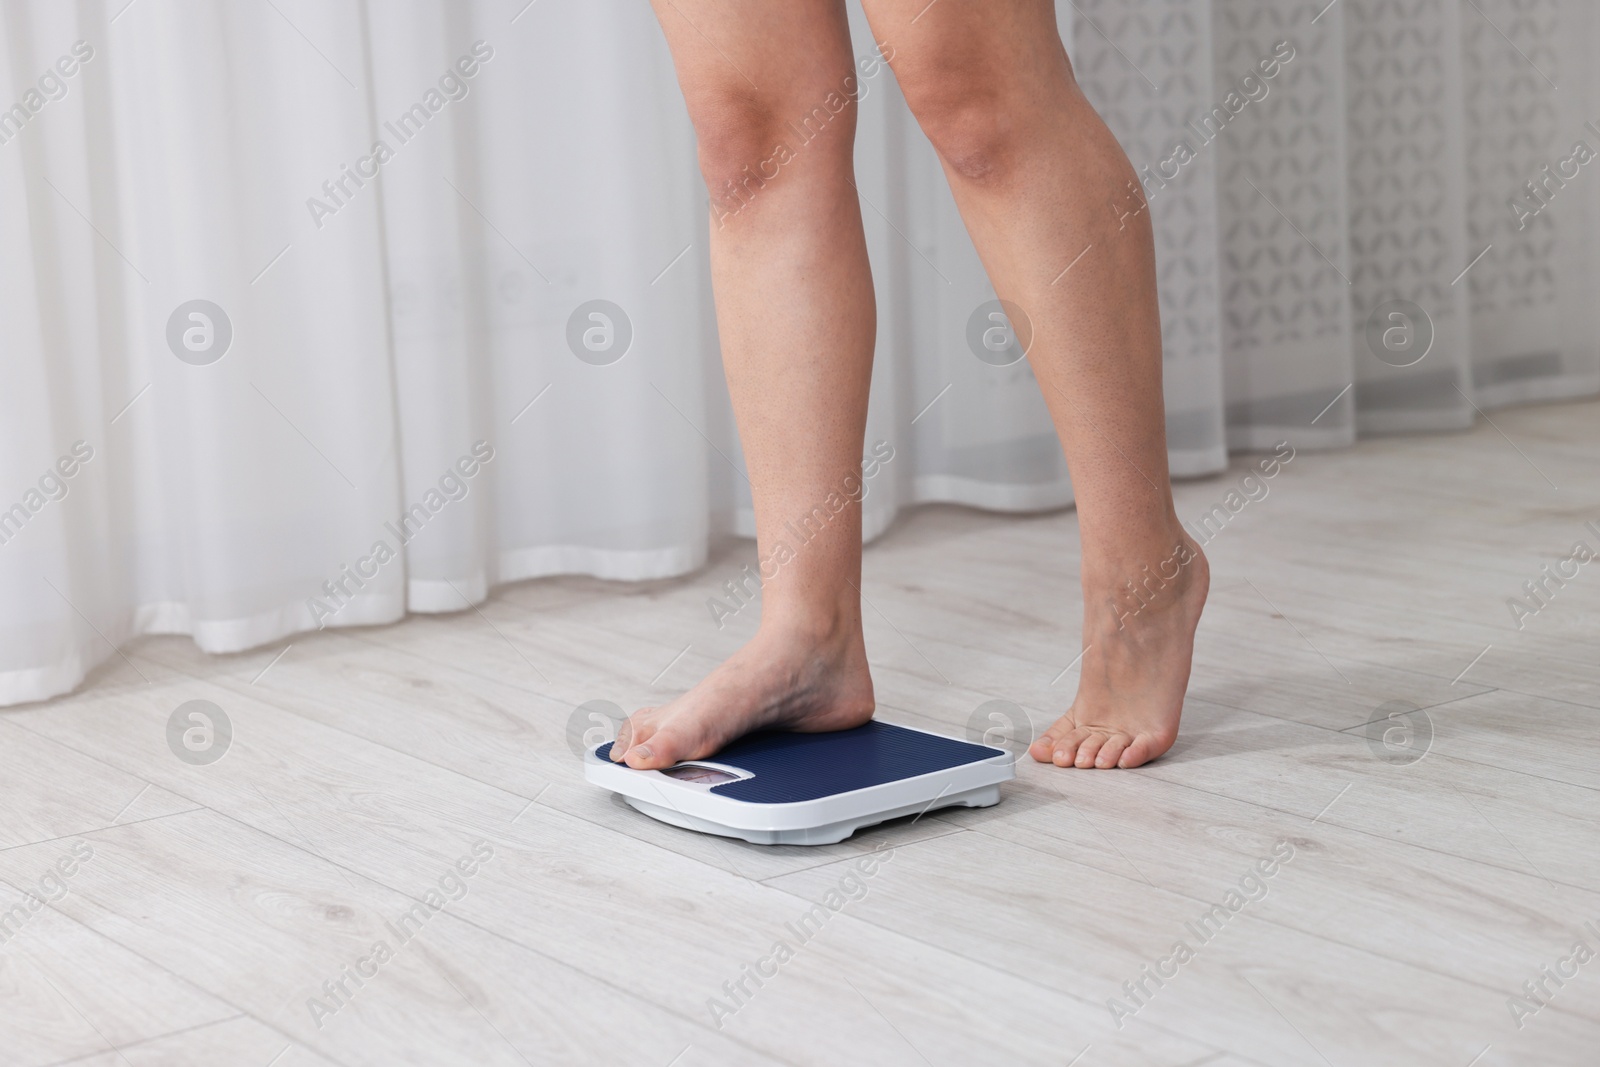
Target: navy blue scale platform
793,788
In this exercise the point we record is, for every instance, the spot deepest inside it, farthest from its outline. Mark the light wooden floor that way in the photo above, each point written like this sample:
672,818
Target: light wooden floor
1420,897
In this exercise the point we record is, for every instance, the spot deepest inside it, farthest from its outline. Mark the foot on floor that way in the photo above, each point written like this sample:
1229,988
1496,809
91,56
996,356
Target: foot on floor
1138,644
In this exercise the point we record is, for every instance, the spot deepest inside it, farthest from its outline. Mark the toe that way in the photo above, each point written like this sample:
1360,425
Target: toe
1088,748
1151,746
642,757
1111,751
634,729
1067,747
660,748
619,747
1044,747
1137,752
1141,750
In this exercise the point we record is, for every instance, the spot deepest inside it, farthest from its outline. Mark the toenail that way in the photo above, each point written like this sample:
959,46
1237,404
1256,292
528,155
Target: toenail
642,751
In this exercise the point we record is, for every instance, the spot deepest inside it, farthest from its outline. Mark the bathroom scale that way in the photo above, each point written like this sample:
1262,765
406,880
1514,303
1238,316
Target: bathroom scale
780,788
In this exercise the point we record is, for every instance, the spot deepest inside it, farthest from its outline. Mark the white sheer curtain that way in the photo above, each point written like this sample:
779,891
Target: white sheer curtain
384,327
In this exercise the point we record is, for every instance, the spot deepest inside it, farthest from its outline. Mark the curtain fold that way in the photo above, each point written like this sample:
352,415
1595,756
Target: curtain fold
318,313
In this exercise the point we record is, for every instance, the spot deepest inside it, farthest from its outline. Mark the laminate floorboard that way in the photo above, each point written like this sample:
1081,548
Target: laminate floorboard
230,912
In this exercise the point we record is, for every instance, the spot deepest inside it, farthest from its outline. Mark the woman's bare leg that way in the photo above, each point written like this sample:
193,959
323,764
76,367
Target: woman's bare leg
770,90
1039,178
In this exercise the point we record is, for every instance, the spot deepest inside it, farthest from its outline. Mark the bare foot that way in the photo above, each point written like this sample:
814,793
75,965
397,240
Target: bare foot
787,677
1136,667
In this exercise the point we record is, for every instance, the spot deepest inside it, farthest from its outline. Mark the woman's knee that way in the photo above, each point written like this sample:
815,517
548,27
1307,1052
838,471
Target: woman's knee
980,115
748,139
737,134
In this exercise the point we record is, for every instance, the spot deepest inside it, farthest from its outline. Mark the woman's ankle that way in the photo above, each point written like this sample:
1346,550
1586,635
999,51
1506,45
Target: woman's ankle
1127,556
819,623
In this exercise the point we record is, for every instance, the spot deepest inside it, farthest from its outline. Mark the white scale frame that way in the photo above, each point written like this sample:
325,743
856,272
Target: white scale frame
826,820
